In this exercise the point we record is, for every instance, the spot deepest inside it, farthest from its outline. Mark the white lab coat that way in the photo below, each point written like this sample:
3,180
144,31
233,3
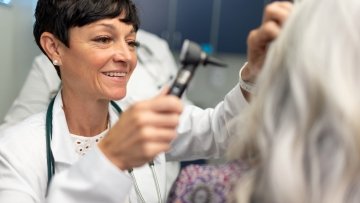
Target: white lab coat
93,178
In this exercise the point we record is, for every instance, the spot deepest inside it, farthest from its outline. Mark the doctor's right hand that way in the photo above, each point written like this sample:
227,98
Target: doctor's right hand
143,131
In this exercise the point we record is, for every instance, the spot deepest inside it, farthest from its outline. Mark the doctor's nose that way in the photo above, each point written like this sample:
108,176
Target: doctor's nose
124,52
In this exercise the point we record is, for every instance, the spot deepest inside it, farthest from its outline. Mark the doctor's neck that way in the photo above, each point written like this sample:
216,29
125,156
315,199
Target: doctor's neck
84,116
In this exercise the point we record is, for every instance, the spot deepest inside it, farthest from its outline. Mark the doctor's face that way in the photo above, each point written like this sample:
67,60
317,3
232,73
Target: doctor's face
99,60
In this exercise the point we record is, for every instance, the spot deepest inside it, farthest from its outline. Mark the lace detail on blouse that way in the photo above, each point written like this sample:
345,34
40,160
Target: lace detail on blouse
83,144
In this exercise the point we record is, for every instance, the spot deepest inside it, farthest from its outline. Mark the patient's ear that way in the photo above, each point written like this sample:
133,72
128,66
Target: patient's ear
51,45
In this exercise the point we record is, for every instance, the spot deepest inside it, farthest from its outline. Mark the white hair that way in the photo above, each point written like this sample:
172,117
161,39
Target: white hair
301,132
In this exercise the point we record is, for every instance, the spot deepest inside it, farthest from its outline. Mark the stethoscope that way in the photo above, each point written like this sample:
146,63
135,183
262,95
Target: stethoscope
51,161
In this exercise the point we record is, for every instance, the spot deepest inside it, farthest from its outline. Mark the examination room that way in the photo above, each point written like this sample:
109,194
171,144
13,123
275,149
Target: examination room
179,101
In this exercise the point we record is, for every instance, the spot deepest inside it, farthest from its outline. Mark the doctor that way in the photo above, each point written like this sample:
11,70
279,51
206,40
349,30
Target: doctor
93,47
155,68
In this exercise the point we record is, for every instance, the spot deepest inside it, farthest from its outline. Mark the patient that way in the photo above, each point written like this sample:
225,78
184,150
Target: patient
213,183
302,135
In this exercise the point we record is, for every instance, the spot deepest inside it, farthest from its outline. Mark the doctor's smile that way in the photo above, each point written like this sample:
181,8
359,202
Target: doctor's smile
117,76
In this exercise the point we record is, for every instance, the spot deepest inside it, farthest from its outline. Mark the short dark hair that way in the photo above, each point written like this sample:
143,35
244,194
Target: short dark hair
58,16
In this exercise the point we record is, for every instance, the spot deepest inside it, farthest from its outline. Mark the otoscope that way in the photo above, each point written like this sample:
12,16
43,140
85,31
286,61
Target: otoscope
191,56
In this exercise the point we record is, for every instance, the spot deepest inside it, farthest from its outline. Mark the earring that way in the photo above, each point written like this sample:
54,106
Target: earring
55,62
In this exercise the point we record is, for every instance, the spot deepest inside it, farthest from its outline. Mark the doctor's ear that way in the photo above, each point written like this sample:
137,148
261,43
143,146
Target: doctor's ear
51,45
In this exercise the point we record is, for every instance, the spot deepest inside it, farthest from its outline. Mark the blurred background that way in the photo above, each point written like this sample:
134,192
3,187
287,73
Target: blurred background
219,26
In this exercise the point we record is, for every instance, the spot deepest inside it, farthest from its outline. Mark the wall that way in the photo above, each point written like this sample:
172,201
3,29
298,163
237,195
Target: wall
222,25
210,84
6,50
17,49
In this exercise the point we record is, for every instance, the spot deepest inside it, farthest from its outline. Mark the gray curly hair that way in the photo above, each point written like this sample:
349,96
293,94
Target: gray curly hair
301,132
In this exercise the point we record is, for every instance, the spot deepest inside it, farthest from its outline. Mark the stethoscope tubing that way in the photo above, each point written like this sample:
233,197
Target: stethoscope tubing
51,161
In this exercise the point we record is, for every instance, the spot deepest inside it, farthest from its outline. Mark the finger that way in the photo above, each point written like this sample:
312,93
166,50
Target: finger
148,152
156,119
152,149
278,12
268,32
164,103
164,90
262,36
286,5
154,134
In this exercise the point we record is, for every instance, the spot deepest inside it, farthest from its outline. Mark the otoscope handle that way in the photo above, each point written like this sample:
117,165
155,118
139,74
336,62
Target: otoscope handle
182,80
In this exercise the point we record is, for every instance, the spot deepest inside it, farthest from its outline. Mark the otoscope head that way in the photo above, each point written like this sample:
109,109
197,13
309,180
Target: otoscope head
191,54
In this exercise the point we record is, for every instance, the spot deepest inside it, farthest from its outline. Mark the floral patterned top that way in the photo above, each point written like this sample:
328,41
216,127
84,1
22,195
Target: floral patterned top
206,183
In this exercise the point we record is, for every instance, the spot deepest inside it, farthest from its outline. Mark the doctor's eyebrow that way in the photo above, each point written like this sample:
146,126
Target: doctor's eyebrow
112,27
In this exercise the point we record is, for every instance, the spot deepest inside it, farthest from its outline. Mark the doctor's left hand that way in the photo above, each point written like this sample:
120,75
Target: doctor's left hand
142,132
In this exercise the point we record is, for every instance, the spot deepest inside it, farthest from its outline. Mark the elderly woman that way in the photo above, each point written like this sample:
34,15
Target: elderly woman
302,135
214,183
98,153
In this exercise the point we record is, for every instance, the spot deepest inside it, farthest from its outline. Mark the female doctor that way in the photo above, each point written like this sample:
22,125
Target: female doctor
83,137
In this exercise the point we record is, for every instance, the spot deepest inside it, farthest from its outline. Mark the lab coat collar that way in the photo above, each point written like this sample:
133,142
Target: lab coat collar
62,144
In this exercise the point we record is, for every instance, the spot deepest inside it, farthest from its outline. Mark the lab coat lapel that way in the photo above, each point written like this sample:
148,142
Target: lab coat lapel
61,144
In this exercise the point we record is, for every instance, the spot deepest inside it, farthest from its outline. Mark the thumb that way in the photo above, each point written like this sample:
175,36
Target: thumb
164,90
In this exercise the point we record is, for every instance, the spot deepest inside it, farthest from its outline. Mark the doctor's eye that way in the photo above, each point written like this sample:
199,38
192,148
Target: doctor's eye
134,44
103,39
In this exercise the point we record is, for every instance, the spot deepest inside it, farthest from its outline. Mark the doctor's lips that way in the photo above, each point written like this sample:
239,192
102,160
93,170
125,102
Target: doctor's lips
115,74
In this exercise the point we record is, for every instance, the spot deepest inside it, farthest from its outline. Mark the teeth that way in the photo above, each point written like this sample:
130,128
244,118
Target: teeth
115,74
